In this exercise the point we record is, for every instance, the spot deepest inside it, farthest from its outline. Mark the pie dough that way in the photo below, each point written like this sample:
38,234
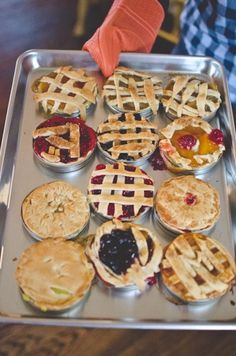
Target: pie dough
197,268
187,203
66,90
130,91
64,142
120,191
186,95
203,154
125,254
54,274
127,137
55,209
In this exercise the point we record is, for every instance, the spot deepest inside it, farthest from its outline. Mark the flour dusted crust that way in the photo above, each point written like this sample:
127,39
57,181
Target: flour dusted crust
54,274
187,203
149,254
55,209
186,95
197,268
120,191
128,90
66,90
174,160
127,137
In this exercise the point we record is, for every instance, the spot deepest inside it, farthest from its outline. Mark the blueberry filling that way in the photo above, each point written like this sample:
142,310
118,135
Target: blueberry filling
118,250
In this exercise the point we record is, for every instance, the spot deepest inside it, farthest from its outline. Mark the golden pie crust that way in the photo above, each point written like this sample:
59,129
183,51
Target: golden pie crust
128,90
205,153
186,95
55,209
197,268
187,203
54,274
66,90
127,137
141,268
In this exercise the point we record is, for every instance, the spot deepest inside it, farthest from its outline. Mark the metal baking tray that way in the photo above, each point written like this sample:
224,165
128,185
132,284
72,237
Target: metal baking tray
20,173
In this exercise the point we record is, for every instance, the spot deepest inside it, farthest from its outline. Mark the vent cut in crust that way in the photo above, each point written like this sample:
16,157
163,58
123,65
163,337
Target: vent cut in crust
120,191
127,137
128,90
197,268
186,95
55,209
125,254
66,90
187,203
54,274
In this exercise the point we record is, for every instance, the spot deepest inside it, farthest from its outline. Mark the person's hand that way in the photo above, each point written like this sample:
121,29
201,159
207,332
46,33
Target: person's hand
130,26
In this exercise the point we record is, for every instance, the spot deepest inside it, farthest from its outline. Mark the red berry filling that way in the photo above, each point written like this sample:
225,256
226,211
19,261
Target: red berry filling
157,161
187,141
216,136
190,199
97,179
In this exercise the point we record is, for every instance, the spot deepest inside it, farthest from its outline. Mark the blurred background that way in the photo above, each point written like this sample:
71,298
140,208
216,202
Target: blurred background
60,24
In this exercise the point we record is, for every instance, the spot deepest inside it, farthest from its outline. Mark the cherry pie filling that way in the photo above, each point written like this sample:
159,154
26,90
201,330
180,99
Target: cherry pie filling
192,141
128,211
87,138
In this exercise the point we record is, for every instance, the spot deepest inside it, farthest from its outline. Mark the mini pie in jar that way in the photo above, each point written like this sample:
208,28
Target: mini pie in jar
125,254
187,203
186,95
66,91
64,144
120,191
128,90
197,268
54,274
128,138
191,144
55,209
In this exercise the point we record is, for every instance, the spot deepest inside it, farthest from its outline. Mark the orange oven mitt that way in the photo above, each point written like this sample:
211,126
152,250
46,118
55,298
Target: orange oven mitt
130,26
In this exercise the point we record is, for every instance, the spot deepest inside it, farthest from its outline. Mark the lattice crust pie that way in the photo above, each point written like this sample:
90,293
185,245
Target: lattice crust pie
60,141
54,274
188,96
66,90
55,209
125,254
197,268
187,203
190,144
127,137
130,91
120,191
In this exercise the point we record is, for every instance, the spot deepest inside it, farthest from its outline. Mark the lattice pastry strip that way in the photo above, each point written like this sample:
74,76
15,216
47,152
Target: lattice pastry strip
187,95
114,187
65,90
127,137
196,267
129,90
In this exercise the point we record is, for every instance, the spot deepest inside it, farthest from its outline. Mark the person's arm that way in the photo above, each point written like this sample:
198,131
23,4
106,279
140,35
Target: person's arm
130,26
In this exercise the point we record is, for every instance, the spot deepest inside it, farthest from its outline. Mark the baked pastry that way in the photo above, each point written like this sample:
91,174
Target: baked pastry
55,209
186,95
190,144
127,137
64,144
197,268
54,274
187,203
125,254
128,90
66,90
120,191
